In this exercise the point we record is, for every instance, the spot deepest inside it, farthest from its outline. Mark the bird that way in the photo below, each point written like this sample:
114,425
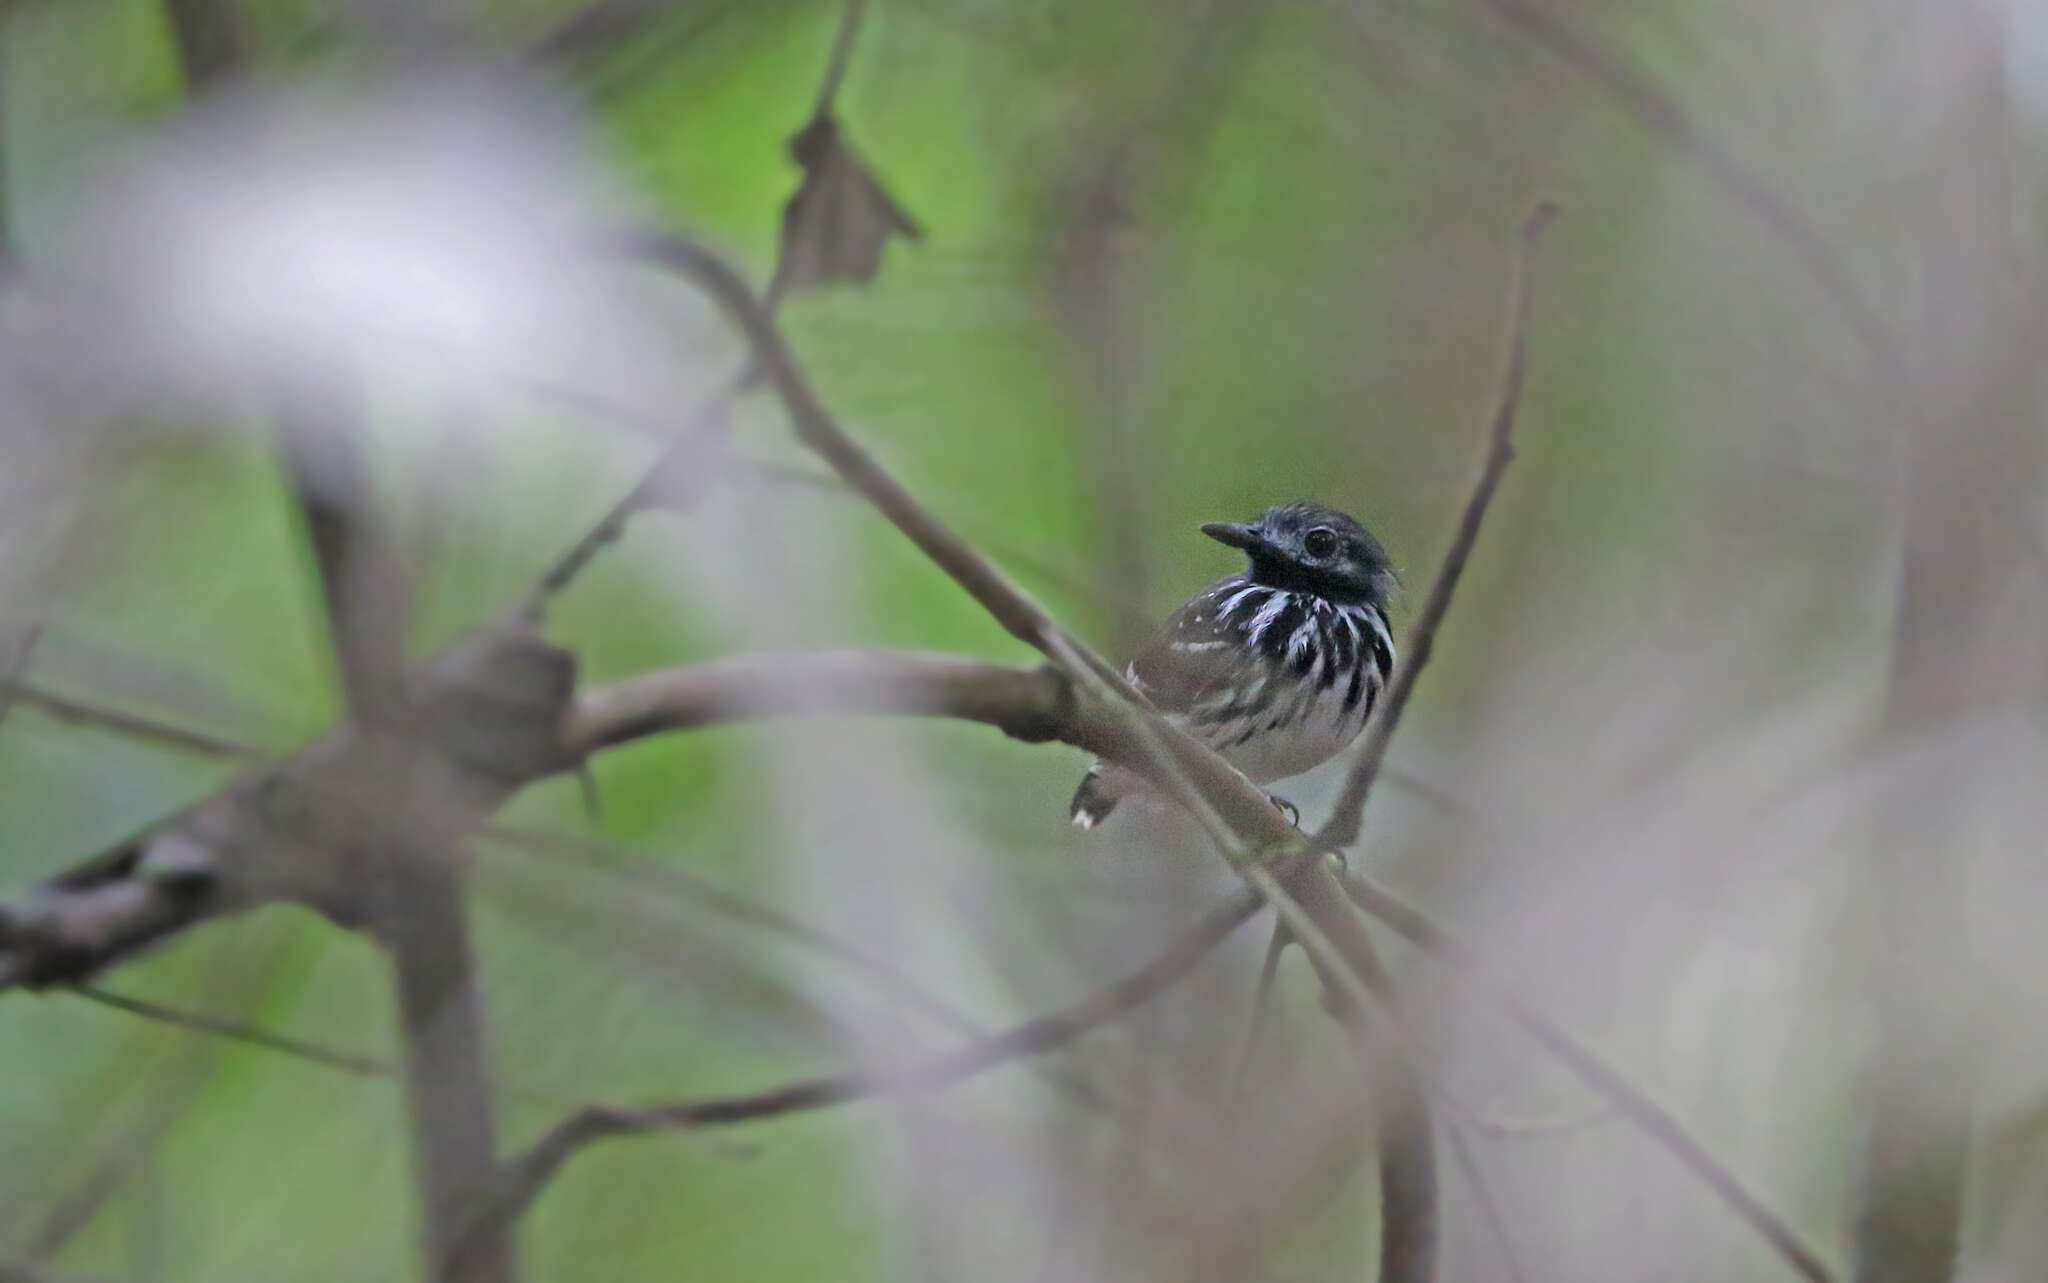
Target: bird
1277,668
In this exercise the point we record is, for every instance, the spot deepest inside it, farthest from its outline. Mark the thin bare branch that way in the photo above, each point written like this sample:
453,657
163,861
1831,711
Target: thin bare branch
1646,1115
312,1052
850,18
527,1176
817,428
149,730
1255,1027
1662,114
664,484
24,649
872,967
1482,1199
1347,816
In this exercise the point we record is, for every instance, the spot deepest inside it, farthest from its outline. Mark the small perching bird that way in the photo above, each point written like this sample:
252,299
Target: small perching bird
1277,668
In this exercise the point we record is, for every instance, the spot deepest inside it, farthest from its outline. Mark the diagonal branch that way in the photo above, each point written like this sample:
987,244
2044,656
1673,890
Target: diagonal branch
234,1031
1663,115
1645,1114
842,55
1347,816
528,1175
1257,824
1490,1216
19,691
878,971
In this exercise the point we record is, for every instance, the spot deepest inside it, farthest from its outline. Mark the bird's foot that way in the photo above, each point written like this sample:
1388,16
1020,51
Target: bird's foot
1286,808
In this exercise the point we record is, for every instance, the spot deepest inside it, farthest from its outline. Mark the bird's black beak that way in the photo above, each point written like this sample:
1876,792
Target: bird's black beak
1237,536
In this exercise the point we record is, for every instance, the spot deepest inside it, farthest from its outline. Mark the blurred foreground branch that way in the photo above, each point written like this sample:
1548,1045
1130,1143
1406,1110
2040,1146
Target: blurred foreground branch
1629,1101
528,1175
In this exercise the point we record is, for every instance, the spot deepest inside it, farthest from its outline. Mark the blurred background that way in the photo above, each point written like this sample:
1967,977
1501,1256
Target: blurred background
1730,756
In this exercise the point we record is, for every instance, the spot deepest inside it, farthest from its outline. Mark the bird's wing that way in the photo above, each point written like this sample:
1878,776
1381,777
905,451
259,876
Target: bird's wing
1198,654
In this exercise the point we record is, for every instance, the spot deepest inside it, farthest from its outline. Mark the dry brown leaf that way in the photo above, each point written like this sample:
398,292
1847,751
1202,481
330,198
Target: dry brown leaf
835,226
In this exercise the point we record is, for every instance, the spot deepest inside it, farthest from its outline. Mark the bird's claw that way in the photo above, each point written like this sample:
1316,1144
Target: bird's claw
1287,808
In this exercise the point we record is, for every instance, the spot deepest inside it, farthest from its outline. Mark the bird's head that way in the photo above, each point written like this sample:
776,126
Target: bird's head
1306,547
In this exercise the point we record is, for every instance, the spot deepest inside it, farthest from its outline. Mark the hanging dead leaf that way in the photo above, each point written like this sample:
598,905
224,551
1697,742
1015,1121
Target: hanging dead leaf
834,227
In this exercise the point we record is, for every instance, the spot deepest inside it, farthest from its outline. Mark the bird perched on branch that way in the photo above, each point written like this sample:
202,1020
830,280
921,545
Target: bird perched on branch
1276,668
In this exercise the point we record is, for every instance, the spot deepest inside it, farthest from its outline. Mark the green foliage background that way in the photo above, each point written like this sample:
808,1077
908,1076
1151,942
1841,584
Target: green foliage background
1313,259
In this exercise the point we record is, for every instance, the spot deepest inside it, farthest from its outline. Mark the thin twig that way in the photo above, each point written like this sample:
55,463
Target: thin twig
770,473
1255,1028
647,873
322,1055
870,966
1347,816
713,420
25,649
815,426
842,55
525,1177
657,485
311,1052
1605,1081
78,712
1482,1198
1330,962
1662,114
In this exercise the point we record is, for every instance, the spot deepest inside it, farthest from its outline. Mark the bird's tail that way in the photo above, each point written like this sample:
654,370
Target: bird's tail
1095,799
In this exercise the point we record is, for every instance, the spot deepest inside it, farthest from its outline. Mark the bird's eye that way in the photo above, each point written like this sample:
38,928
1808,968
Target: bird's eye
1320,542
